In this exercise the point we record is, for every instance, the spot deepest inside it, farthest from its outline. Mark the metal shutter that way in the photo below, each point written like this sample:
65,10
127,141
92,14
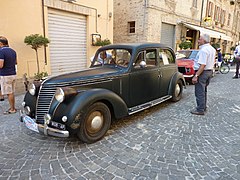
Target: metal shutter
68,43
168,35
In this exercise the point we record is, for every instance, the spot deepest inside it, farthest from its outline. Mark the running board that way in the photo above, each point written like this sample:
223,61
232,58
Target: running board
148,104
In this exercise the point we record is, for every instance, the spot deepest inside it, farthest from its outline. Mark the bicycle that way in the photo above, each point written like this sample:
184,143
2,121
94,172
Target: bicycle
223,68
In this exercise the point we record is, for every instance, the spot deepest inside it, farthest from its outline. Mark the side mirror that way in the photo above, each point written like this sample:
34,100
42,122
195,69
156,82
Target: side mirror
142,64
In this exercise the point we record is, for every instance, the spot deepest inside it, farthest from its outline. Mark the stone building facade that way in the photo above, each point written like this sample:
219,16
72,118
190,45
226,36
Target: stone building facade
174,21
71,26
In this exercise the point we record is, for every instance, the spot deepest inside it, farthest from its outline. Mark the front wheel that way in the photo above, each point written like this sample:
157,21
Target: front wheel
224,69
177,93
95,122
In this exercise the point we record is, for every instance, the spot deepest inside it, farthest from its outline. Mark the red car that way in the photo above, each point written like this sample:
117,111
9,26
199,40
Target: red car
185,62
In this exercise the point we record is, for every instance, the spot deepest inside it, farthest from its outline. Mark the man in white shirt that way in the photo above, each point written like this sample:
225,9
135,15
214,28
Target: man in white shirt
206,60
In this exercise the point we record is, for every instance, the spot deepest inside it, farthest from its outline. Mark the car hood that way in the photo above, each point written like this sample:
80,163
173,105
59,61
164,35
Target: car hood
90,74
185,62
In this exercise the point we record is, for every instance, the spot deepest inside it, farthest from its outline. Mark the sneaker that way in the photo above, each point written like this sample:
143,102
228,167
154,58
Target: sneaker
235,77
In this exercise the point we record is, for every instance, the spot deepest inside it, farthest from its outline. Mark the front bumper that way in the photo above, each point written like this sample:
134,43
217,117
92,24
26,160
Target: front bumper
41,128
188,76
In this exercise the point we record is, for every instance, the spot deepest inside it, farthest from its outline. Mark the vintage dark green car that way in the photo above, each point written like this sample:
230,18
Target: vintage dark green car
123,79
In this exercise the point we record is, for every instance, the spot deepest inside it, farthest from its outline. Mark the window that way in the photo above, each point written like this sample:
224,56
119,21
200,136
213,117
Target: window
166,57
194,3
151,57
223,14
209,11
229,18
217,14
131,27
107,57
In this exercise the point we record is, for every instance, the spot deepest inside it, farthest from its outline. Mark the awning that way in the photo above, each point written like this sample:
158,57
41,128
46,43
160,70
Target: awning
211,33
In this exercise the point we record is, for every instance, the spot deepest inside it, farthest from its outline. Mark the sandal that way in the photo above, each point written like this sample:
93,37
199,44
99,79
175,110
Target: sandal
10,112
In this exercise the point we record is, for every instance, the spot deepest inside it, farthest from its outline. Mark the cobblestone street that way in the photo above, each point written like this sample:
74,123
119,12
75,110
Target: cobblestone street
165,142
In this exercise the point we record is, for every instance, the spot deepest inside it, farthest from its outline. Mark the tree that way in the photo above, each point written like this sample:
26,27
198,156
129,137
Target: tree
36,41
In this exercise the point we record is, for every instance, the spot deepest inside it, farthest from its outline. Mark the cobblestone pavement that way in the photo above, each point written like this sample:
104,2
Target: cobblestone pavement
165,142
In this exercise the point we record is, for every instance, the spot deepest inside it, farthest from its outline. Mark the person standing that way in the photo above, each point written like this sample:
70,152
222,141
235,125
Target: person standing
219,57
8,60
237,61
206,60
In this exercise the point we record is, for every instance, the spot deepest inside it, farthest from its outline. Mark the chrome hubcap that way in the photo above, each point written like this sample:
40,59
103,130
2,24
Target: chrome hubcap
177,90
97,122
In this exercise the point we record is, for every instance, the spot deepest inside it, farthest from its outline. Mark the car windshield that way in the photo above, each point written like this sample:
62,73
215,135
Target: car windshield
186,54
120,57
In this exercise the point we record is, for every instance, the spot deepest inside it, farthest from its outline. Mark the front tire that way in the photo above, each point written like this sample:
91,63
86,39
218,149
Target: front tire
177,92
95,122
224,69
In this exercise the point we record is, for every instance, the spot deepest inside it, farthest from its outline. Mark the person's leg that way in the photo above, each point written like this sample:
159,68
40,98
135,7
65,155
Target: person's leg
209,74
1,96
200,96
11,99
8,88
201,90
237,62
237,67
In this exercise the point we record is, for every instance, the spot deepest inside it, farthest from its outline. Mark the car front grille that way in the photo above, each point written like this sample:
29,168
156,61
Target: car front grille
45,98
182,69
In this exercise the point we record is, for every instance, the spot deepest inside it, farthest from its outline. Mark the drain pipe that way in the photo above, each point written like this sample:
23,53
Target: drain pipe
44,32
201,13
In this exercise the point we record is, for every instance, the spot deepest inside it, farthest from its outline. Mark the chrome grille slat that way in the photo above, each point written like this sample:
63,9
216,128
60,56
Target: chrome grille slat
44,100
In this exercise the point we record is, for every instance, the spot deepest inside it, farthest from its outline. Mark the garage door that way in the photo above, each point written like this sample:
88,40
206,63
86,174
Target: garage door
67,36
168,35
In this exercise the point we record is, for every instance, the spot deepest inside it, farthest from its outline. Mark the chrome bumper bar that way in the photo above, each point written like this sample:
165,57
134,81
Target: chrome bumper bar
41,128
188,76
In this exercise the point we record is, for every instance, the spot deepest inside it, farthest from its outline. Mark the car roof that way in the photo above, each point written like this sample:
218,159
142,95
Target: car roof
188,50
135,45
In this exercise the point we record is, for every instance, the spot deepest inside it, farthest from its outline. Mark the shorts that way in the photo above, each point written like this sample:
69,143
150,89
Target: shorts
8,84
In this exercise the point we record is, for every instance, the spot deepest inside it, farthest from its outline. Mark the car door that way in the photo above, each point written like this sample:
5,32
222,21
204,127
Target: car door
167,69
144,81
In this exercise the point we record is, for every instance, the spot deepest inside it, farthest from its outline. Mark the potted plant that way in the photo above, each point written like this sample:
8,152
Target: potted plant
36,41
185,45
103,42
40,76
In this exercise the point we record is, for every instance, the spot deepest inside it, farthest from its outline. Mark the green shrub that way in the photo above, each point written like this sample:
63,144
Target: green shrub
185,45
103,42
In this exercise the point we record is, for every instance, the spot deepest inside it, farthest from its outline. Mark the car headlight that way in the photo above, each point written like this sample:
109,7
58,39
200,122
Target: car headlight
32,89
27,110
59,95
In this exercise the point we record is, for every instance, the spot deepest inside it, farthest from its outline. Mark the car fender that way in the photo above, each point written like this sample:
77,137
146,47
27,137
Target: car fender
81,101
177,76
30,101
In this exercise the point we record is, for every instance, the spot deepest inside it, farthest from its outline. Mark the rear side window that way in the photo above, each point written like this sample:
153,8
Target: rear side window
166,57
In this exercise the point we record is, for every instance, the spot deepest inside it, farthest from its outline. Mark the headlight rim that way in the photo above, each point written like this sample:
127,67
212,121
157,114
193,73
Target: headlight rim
32,89
59,95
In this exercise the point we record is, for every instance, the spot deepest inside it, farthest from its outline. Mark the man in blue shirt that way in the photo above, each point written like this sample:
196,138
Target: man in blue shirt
8,60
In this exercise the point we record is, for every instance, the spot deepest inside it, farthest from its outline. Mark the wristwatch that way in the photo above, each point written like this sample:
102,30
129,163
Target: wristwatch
196,75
